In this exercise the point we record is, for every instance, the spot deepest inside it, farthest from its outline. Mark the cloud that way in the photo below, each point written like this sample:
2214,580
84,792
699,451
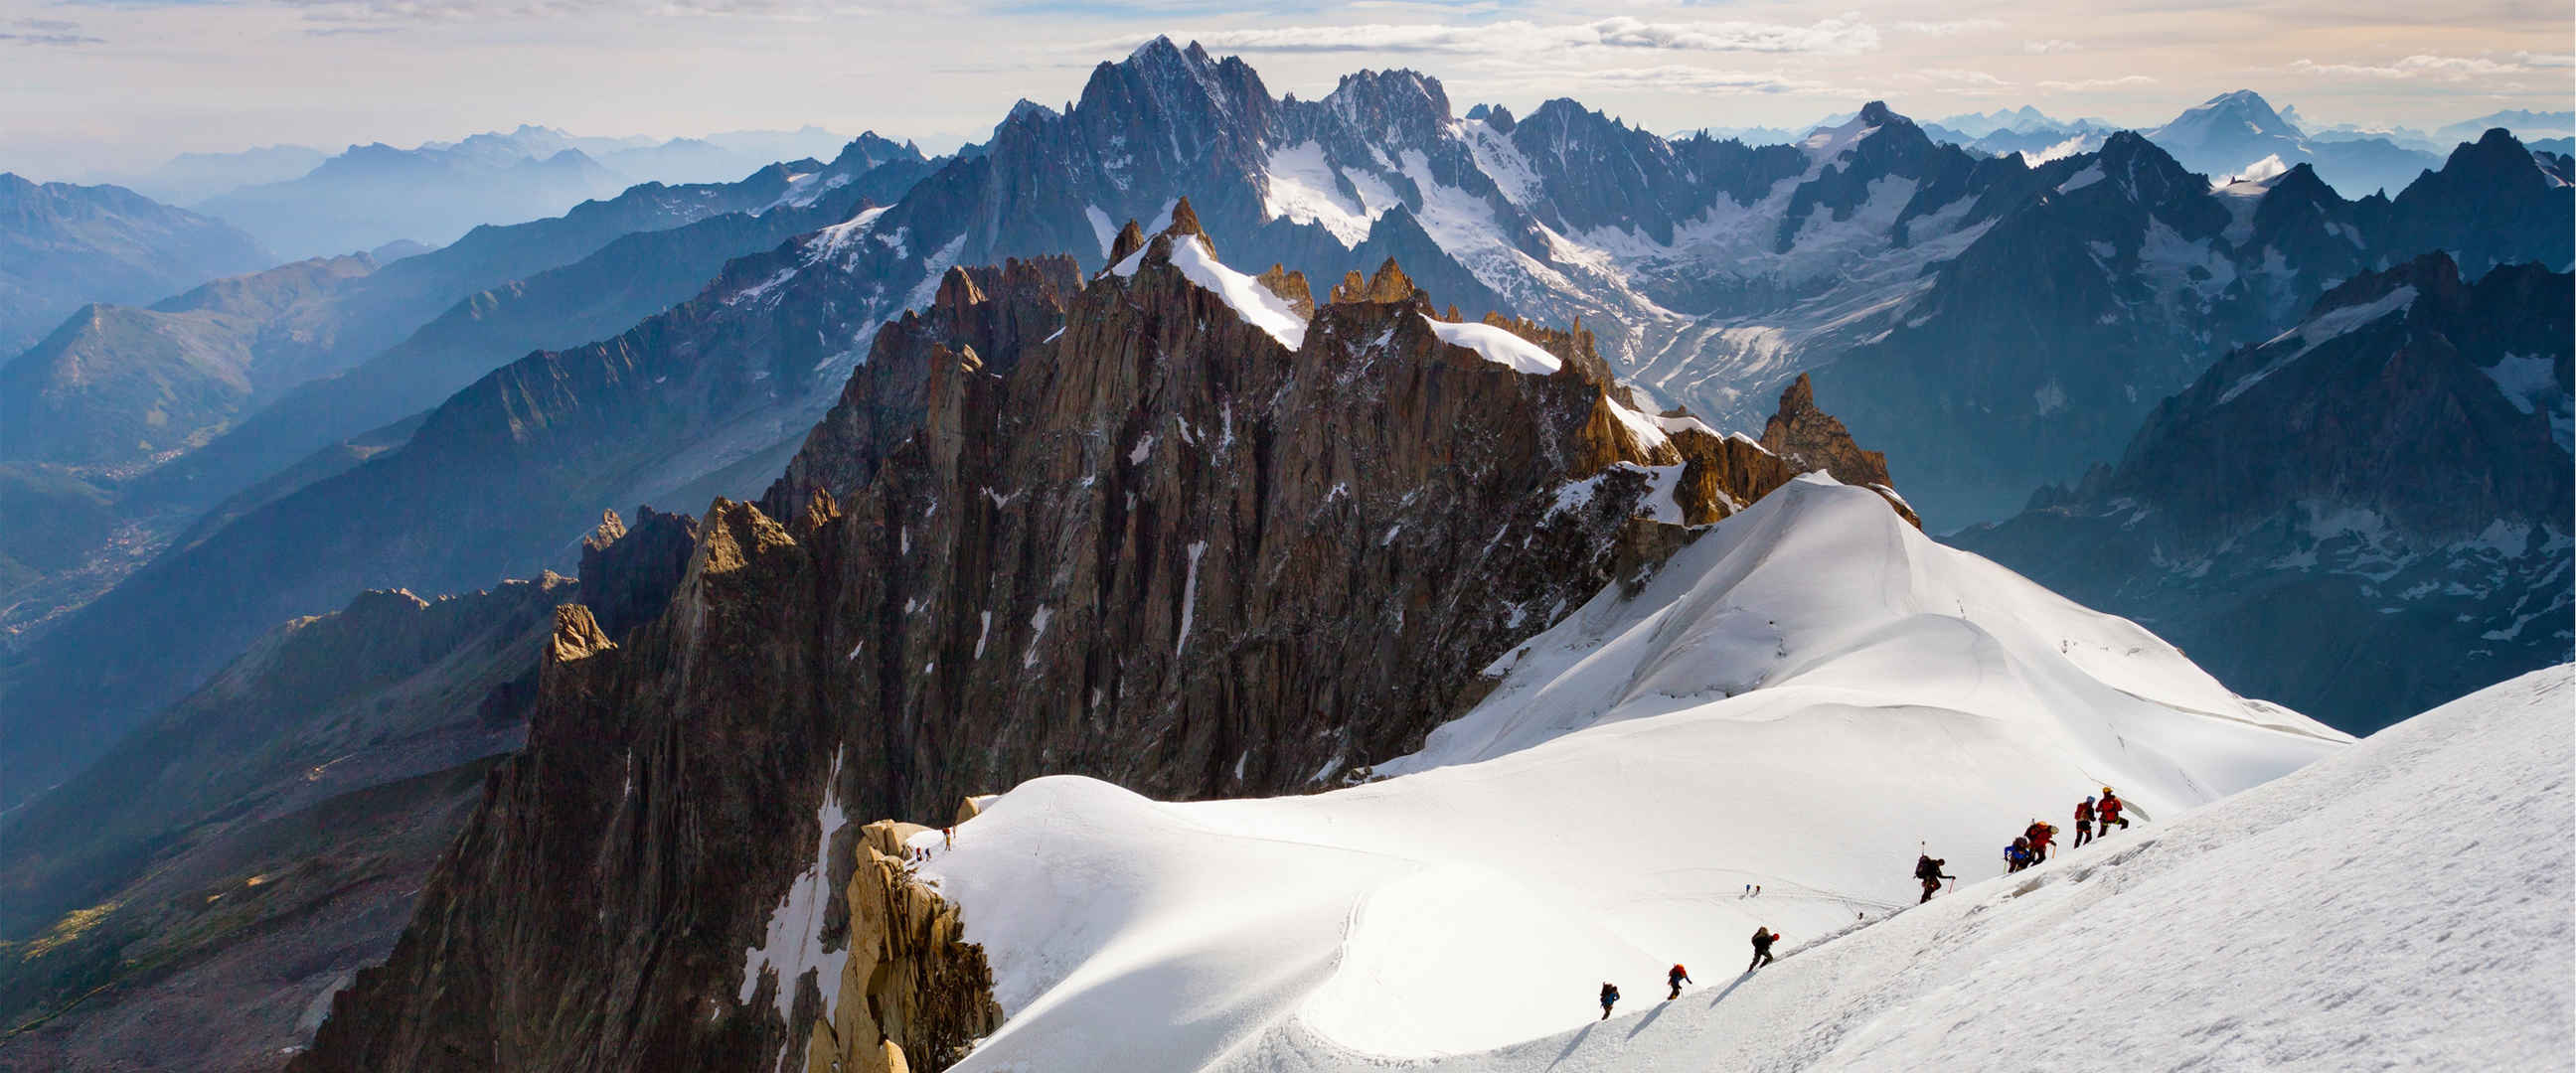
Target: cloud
2054,44
1946,29
1946,76
1834,36
1681,78
2439,68
55,32
366,11
2095,83
2082,84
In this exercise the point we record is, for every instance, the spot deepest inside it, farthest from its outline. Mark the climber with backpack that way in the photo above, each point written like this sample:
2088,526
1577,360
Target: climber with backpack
2041,831
2084,821
1677,978
1609,995
1928,869
2109,810
2017,855
1762,939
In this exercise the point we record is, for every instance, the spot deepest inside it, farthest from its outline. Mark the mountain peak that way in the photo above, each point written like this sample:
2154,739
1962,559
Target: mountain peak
2234,114
1185,220
1877,114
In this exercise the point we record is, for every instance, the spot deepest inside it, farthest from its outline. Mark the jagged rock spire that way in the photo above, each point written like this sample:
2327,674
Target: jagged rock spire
1390,284
1131,238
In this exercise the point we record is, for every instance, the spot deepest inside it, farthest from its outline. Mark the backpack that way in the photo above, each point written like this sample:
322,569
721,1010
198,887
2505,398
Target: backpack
1677,973
1925,867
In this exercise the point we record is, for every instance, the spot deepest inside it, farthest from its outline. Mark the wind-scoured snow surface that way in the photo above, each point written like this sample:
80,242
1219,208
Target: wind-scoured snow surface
1793,700
1244,294
1497,345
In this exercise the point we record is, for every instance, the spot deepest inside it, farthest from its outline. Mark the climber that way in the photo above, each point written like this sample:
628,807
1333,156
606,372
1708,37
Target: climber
2084,821
1928,869
2109,810
2017,855
2040,832
1609,995
1677,978
1762,940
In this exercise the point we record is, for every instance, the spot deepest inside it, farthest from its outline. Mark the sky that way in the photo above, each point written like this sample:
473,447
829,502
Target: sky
95,86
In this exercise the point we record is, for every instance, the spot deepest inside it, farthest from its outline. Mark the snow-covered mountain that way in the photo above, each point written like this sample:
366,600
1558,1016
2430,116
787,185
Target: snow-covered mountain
2037,137
1798,700
2235,133
1712,272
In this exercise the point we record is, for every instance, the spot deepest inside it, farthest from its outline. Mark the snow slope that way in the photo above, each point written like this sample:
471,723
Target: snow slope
1794,700
2380,909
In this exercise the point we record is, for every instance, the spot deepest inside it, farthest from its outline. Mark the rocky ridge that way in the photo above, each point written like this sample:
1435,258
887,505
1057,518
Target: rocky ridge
1192,542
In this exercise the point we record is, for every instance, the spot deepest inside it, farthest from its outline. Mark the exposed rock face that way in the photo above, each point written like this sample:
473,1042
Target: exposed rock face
1161,546
915,993
986,311
1813,439
2362,518
628,574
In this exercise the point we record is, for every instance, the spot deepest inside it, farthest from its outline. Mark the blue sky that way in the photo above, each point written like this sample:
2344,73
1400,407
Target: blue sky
89,85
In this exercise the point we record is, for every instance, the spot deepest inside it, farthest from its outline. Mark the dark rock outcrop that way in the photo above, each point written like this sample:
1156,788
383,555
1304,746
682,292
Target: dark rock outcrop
917,995
627,574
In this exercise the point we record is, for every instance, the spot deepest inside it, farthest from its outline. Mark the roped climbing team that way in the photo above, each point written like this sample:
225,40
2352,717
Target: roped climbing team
2028,848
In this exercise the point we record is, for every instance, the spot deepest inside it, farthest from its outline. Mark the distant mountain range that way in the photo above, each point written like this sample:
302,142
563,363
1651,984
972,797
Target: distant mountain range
2365,515
2229,135
414,330
373,194
64,246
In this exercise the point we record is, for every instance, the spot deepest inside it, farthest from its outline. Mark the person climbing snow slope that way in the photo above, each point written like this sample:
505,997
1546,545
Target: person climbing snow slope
1609,997
1677,978
2017,855
1763,937
1928,869
2083,821
2110,809
2041,831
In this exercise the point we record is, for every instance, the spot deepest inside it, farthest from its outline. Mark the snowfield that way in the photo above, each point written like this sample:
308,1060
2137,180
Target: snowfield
1798,699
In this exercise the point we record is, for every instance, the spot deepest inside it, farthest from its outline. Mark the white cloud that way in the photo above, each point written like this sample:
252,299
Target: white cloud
1947,76
1947,29
2083,84
1681,78
56,32
2053,44
349,11
2439,68
1834,36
